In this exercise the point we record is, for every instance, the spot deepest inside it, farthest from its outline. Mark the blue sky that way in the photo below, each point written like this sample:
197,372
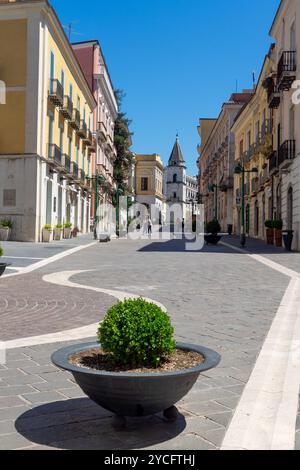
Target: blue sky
177,60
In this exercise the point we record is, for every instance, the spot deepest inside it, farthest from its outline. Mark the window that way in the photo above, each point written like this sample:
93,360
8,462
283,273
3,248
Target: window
52,64
292,123
144,184
293,44
71,91
175,195
62,79
70,147
249,139
77,154
9,198
241,147
174,178
61,139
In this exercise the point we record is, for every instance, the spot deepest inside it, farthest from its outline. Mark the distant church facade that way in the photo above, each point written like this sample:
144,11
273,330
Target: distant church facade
179,188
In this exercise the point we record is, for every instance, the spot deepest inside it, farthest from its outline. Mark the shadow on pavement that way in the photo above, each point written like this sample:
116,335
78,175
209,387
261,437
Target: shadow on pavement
80,424
181,245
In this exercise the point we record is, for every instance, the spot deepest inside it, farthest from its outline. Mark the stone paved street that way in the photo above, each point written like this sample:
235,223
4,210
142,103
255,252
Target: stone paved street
217,297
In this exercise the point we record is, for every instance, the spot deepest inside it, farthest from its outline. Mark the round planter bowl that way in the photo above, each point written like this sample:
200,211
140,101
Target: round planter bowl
135,395
212,239
3,267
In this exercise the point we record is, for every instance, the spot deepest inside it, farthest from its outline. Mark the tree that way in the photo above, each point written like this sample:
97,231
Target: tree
122,139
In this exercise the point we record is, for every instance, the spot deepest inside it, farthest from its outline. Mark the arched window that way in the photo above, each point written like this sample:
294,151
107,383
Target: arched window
175,178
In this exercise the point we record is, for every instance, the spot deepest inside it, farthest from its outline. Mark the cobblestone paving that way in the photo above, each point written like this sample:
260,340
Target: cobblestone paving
31,307
216,298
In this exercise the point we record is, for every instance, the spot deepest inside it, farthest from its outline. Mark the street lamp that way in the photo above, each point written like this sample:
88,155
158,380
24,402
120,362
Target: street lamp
119,192
240,170
99,179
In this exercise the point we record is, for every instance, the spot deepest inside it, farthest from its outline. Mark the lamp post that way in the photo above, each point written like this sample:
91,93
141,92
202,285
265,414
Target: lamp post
99,179
240,170
119,193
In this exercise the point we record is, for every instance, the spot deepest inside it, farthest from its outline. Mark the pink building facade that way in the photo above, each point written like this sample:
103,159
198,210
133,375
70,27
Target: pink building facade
91,59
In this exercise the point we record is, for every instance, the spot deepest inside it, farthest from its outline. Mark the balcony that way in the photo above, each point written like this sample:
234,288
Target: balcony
273,163
81,177
286,154
56,93
93,145
273,93
66,163
54,154
75,121
286,73
74,170
88,140
255,186
102,131
82,131
67,109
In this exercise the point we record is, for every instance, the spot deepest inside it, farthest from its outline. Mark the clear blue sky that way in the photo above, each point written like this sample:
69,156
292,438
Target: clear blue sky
177,60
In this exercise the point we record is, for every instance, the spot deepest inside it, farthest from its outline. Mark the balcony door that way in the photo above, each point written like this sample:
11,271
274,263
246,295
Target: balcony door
293,45
292,123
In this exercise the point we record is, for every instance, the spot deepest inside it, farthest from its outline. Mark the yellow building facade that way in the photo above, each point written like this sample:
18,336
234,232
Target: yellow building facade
254,135
46,125
149,183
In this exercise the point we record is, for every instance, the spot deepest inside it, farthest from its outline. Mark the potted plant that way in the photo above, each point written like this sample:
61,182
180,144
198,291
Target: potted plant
6,227
47,233
278,225
58,232
75,232
3,266
67,230
213,229
269,231
136,368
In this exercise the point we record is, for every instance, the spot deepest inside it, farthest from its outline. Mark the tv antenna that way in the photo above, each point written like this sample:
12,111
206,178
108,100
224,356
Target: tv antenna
69,29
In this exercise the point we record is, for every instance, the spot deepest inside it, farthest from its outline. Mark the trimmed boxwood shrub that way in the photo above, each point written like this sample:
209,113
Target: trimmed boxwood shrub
1,251
137,333
213,227
278,224
269,224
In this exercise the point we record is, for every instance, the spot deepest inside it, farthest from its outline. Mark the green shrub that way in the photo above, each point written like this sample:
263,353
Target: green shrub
47,227
68,225
1,251
278,224
6,223
269,224
137,333
213,227
59,226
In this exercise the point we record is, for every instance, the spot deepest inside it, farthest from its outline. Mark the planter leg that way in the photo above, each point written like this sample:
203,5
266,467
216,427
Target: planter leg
119,422
171,414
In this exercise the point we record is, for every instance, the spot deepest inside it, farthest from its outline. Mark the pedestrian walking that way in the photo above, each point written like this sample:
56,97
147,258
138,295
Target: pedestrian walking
150,226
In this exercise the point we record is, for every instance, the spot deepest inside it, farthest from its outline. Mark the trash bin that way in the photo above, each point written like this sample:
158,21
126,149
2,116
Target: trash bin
229,229
288,236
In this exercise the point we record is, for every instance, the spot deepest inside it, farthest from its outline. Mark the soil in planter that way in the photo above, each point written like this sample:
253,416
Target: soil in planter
96,359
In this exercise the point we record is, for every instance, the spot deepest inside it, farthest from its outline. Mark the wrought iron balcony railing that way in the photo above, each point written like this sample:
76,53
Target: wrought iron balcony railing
67,109
56,93
287,153
54,154
82,131
75,121
286,73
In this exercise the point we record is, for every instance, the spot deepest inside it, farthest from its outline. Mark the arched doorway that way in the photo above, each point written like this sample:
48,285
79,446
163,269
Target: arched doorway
278,201
248,219
256,211
263,210
290,210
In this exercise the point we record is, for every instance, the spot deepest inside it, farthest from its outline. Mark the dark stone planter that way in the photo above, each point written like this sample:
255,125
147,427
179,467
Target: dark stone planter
212,239
3,267
288,237
135,395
